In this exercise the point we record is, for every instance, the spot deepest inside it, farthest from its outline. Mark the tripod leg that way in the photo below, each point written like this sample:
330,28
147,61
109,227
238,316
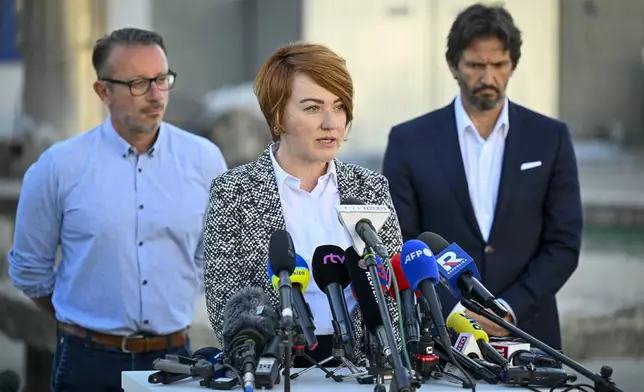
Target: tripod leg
353,368
319,366
313,366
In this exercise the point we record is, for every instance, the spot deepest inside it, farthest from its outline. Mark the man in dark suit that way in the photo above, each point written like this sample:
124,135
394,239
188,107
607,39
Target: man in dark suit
495,177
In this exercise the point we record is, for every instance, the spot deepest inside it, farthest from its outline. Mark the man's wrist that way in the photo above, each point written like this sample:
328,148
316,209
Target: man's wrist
511,314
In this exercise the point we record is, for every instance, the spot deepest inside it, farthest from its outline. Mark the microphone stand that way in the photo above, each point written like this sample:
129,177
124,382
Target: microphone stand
602,382
298,349
337,352
400,381
377,371
287,333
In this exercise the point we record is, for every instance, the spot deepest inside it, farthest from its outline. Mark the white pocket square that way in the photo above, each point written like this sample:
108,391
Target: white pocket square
530,165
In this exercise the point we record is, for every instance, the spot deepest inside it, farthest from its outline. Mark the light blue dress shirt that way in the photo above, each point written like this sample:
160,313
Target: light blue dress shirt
129,226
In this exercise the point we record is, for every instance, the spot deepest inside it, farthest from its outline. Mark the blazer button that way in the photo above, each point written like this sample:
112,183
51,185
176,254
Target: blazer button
488,250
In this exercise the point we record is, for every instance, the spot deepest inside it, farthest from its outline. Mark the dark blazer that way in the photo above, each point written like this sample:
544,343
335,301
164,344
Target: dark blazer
244,211
534,244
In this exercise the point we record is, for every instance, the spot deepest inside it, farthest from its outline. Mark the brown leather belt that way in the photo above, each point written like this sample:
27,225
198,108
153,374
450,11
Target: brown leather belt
134,343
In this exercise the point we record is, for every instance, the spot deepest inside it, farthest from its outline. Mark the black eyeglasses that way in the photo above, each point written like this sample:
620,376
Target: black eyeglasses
140,87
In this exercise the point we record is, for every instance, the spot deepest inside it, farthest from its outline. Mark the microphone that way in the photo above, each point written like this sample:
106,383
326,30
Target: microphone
282,260
249,323
602,382
408,299
419,267
332,278
462,323
300,281
362,222
459,273
369,296
9,381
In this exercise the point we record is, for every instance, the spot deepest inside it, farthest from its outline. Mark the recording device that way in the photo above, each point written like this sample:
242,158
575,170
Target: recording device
458,272
535,376
362,222
534,357
175,368
409,310
369,296
249,324
602,382
282,260
300,281
9,381
462,323
332,278
267,373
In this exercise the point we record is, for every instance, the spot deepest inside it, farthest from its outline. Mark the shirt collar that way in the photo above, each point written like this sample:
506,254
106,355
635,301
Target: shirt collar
463,120
282,177
122,147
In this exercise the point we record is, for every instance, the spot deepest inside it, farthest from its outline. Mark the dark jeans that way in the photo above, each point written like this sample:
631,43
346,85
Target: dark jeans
81,365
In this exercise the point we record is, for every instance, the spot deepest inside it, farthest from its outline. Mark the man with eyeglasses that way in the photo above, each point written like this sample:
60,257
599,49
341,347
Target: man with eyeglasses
125,202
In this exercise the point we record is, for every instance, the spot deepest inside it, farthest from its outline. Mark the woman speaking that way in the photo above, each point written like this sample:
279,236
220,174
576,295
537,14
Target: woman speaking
306,95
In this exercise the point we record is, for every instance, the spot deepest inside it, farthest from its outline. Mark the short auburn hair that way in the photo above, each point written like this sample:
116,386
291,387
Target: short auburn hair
275,78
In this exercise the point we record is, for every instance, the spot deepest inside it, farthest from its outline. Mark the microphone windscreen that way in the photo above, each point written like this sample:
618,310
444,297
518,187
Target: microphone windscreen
281,252
9,381
328,266
418,263
460,322
301,274
436,243
249,310
363,290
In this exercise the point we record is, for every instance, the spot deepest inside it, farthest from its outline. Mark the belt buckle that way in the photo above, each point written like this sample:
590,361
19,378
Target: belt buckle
124,341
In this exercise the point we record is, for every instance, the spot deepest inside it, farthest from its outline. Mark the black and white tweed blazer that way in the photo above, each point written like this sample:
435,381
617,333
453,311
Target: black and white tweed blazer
245,209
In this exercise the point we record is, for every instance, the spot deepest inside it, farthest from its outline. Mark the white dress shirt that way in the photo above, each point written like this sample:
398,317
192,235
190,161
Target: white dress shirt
311,220
482,160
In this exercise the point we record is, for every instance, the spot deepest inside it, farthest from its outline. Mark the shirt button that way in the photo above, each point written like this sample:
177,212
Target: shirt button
124,155
140,170
144,282
141,243
141,207
488,250
145,321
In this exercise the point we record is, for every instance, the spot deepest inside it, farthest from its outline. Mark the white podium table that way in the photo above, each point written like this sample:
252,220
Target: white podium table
312,381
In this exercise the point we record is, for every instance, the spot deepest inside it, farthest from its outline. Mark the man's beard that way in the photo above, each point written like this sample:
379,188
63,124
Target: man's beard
127,122
483,102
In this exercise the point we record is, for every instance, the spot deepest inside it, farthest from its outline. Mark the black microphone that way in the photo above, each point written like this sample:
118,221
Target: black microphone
369,296
602,381
249,323
332,278
282,260
9,381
